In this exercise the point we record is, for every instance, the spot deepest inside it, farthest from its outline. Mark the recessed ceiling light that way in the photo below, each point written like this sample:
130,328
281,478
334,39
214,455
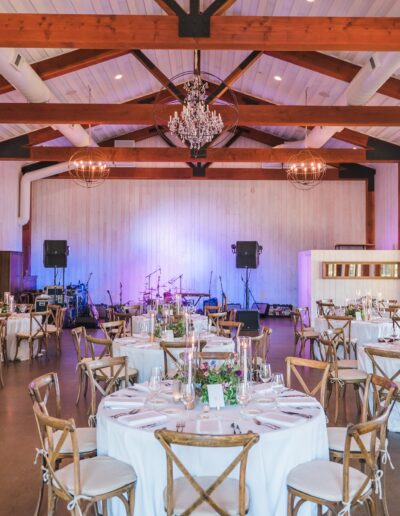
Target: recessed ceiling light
354,148
277,77
310,1
118,76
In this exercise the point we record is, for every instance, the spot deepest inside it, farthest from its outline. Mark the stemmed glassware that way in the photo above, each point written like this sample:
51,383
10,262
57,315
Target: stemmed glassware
155,381
187,395
265,372
278,382
243,394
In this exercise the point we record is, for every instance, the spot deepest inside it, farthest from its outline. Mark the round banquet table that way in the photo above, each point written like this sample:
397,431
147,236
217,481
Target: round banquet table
17,323
269,461
363,331
143,355
141,323
390,366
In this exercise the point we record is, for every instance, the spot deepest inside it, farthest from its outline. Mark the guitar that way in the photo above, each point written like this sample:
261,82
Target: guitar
92,309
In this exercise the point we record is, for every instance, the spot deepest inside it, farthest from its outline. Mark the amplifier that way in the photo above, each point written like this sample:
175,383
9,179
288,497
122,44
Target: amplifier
249,318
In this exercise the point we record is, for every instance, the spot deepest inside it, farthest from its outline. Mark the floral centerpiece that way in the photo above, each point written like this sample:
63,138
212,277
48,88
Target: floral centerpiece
177,327
227,374
350,310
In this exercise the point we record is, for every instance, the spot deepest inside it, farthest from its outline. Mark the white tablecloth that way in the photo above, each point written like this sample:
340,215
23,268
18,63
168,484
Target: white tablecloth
144,355
389,366
15,324
363,331
269,461
141,323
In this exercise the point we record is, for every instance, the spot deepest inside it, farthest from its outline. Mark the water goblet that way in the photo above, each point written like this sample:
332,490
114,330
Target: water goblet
155,381
278,382
243,394
265,372
187,395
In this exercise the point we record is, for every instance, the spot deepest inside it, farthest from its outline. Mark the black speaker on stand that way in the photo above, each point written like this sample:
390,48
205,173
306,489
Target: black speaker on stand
55,254
247,257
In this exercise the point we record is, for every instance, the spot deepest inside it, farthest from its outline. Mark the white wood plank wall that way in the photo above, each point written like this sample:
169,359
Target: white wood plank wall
387,206
125,229
10,231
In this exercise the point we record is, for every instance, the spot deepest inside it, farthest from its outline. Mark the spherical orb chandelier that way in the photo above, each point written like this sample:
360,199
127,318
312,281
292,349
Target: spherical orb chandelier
305,169
196,122
88,168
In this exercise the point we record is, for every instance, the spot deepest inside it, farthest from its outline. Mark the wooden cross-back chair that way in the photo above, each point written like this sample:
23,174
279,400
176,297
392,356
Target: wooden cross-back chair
292,365
303,332
230,328
78,482
41,391
170,358
23,308
77,334
380,394
105,376
107,351
215,318
127,319
58,316
342,324
393,308
38,322
396,323
325,307
113,329
260,346
212,494
376,355
341,487
340,377
212,309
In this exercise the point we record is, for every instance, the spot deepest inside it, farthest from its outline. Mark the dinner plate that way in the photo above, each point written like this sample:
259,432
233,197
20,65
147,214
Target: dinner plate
251,412
266,401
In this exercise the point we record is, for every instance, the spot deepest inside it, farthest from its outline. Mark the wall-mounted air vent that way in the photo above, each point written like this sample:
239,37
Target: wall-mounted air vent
372,63
16,61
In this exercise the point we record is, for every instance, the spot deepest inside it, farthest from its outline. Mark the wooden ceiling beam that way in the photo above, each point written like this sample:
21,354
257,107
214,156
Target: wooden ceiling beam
169,155
218,7
227,32
66,63
138,114
170,7
254,174
333,67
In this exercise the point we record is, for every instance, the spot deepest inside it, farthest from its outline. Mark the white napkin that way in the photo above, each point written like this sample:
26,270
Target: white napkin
142,387
298,401
143,418
209,426
123,402
262,389
280,419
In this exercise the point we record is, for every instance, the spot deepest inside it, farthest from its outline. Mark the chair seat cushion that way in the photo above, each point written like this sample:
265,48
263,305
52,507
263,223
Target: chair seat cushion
27,335
226,496
87,441
337,439
51,328
99,475
351,375
323,479
309,333
347,363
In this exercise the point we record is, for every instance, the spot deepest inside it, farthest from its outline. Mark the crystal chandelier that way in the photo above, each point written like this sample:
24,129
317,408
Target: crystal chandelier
306,168
87,166
196,124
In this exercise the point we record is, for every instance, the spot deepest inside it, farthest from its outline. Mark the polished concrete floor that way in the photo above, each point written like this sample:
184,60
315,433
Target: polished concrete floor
19,478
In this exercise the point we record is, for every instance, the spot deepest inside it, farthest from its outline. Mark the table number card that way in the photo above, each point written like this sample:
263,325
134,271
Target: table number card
216,396
358,316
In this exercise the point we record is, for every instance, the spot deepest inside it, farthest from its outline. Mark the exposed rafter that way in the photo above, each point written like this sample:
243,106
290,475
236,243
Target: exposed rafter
138,114
333,67
227,32
170,7
168,155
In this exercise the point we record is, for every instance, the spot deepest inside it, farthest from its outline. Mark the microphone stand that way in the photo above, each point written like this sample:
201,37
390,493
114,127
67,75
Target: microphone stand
247,290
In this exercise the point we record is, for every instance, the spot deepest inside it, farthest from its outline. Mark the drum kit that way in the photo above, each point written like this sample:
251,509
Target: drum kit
156,292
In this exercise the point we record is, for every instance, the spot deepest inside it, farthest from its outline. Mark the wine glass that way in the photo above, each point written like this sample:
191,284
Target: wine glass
155,381
278,382
243,393
187,394
265,372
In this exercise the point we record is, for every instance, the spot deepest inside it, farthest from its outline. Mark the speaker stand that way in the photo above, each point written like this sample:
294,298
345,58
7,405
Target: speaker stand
246,288
55,276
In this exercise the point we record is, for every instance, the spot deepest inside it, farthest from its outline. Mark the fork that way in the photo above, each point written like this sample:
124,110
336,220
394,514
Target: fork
306,416
180,425
131,412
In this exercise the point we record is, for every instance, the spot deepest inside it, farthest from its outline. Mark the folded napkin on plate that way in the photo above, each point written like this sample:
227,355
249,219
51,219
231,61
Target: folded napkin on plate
143,418
299,401
142,387
280,419
123,402
209,426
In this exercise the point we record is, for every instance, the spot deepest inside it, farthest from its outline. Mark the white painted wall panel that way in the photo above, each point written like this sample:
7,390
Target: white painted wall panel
125,229
386,206
10,232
